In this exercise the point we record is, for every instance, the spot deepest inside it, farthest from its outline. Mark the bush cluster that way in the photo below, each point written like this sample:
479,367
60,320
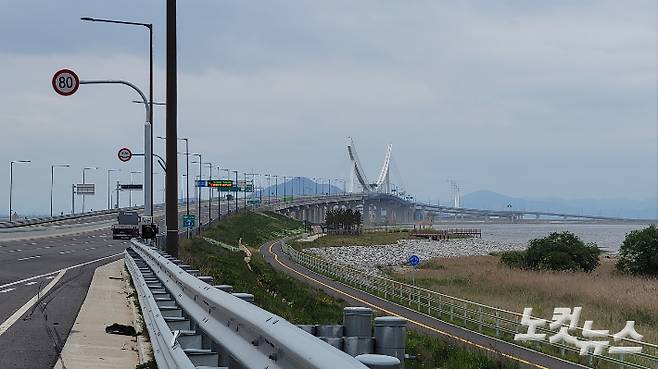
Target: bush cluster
638,254
561,251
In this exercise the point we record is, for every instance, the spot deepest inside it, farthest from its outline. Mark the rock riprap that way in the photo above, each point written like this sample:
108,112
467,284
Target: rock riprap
371,257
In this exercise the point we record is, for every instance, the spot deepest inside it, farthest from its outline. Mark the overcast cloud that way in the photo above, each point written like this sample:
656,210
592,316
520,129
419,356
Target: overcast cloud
526,98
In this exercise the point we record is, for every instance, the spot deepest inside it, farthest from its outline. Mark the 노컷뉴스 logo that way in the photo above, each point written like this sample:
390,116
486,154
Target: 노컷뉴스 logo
566,320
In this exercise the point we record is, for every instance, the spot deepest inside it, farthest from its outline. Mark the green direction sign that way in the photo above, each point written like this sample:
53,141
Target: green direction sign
189,221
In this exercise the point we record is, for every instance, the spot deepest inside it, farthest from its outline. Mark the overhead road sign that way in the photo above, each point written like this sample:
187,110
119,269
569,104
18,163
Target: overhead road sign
65,82
125,154
131,187
85,189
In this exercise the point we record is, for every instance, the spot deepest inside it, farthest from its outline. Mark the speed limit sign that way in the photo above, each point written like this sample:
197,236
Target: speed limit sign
66,82
125,154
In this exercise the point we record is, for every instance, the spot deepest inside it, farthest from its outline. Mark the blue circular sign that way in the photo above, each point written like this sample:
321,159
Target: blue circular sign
414,260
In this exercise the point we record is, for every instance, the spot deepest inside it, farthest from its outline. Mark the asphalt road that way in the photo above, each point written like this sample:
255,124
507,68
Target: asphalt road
417,321
63,259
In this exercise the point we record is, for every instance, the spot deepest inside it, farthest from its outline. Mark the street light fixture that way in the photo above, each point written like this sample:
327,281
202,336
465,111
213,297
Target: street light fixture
11,181
84,170
148,168
228,176
52,182
109,197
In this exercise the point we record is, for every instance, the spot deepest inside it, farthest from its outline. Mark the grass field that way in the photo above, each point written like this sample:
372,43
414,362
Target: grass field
607,298
295,301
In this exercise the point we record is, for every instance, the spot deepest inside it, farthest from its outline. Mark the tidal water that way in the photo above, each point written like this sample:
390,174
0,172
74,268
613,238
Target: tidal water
609,237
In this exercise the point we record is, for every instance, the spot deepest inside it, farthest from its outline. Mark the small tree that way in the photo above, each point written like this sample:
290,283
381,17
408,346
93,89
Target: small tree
638,254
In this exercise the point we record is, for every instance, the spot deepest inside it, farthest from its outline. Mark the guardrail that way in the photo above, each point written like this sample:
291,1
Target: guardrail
245,335
59,218
486,320
166,355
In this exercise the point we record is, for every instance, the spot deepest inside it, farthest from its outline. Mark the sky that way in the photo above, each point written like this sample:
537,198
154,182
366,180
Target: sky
525,98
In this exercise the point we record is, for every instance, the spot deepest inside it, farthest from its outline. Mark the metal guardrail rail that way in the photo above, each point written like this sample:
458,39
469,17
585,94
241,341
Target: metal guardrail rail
243,334
479,318
166,355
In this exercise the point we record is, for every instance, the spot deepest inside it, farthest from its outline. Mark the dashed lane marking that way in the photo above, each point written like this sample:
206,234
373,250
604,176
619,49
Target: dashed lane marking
32,283
29,258
7,290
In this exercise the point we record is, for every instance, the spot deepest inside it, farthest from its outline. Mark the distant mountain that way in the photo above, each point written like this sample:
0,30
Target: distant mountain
617,207
301,186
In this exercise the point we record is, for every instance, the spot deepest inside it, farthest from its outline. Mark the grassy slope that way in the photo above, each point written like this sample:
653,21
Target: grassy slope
297,302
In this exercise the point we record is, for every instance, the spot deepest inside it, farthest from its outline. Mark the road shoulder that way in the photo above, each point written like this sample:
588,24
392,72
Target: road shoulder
107,302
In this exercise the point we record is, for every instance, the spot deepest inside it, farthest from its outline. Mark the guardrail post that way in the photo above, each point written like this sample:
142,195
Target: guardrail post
465,312
429,303
497,324
480,319
452,312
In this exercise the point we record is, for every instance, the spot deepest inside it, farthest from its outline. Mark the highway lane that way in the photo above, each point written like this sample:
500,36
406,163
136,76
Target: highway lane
35,337
274,256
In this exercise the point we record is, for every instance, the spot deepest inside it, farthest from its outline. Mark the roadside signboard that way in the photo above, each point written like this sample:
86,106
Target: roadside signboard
189,221
226,185
65,82
85,189
219,183
131,187
414,260
125,154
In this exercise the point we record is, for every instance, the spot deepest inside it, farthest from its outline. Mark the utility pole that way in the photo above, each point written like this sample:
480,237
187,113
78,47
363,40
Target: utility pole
172,133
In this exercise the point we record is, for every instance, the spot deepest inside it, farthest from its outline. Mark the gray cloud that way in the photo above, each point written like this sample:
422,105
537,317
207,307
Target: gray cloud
541,99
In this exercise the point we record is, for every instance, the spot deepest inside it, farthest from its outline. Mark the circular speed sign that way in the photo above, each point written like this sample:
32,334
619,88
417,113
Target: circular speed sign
125,154
66,82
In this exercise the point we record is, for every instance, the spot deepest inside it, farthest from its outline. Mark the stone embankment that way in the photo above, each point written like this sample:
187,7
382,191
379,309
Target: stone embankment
371,257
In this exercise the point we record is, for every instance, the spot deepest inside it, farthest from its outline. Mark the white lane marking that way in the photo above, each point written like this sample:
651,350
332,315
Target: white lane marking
7,290
31,283
50,275
47,247
29,257
15,250
18,313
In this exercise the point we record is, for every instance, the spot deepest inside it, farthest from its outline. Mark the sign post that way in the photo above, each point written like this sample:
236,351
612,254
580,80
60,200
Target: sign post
413,260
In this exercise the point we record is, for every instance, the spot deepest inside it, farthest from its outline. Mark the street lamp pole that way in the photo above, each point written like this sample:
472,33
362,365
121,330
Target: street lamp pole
199,192
228,176
52,182
84,170
11,181
109,199
236,190
148,126
209,193
276,188
130,193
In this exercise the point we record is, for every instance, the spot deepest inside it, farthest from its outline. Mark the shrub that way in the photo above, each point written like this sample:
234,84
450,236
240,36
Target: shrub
638,254
561,251
513,259
558,251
